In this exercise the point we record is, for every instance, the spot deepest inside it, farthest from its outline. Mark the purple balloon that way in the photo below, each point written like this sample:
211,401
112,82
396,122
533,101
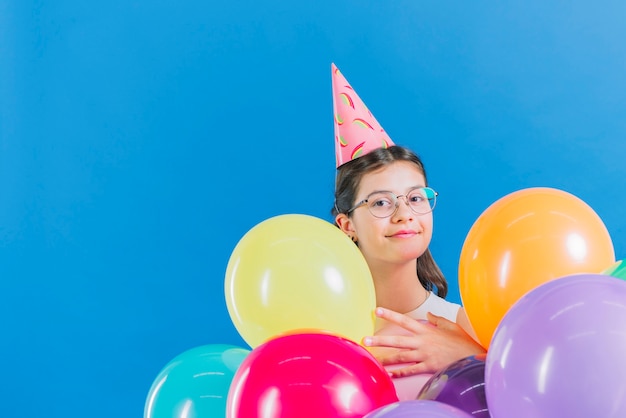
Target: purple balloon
417,408
462,385
560,351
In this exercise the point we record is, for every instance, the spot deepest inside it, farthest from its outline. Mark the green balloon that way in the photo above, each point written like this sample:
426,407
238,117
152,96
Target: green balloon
195,383
617,270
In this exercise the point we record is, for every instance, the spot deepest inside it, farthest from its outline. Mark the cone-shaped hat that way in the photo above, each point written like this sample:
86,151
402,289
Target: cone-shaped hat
357,131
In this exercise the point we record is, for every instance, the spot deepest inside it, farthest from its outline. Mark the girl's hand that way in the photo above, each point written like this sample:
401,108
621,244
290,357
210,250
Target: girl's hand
426,347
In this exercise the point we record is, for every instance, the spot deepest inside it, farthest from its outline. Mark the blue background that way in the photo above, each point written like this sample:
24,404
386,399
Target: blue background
140,140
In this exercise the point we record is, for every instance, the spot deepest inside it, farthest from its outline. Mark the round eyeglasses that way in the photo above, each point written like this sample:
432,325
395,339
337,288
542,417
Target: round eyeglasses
420,200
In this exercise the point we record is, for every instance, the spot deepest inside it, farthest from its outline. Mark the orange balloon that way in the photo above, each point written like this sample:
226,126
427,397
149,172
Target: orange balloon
521,241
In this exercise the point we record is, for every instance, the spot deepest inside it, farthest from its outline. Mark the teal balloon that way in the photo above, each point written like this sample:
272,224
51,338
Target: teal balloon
617,270
195,383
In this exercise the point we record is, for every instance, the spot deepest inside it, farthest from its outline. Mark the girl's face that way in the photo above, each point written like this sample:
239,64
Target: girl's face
399,238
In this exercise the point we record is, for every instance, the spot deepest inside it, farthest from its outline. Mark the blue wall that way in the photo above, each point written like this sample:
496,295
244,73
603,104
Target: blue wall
140,140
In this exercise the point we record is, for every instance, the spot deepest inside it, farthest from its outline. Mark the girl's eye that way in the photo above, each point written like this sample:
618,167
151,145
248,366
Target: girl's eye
381,200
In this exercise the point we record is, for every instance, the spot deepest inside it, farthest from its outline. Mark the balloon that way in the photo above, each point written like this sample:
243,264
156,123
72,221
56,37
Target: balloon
521,241
617,269
559,352
460,384
309,375
195,383
418,408
298,271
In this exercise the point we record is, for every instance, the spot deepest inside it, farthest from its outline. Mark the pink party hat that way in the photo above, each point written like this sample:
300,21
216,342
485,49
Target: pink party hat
357,131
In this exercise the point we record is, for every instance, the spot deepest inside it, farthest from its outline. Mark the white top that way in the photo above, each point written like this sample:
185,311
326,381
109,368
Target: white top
433,304
436,305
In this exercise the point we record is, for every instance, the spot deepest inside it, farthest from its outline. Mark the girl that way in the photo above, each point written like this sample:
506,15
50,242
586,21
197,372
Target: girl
383,203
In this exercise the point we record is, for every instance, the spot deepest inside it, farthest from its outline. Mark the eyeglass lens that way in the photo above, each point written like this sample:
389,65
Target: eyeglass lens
383,204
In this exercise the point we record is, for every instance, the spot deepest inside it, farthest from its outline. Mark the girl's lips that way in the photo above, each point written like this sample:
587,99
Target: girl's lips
403,234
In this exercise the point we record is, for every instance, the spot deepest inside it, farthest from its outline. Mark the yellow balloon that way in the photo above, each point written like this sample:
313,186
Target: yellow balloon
298,272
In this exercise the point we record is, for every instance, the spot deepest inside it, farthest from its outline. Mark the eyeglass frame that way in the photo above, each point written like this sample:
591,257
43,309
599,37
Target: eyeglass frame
396,202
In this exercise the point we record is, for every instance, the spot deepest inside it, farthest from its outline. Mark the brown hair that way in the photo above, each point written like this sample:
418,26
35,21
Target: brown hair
349,177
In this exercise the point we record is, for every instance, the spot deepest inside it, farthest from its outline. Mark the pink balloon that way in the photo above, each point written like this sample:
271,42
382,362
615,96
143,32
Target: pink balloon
309,375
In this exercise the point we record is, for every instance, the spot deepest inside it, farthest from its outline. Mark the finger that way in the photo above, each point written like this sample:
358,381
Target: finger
401,357
413,369
394,341
399,319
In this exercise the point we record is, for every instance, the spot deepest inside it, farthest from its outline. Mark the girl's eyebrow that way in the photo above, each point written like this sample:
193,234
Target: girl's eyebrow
391,191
